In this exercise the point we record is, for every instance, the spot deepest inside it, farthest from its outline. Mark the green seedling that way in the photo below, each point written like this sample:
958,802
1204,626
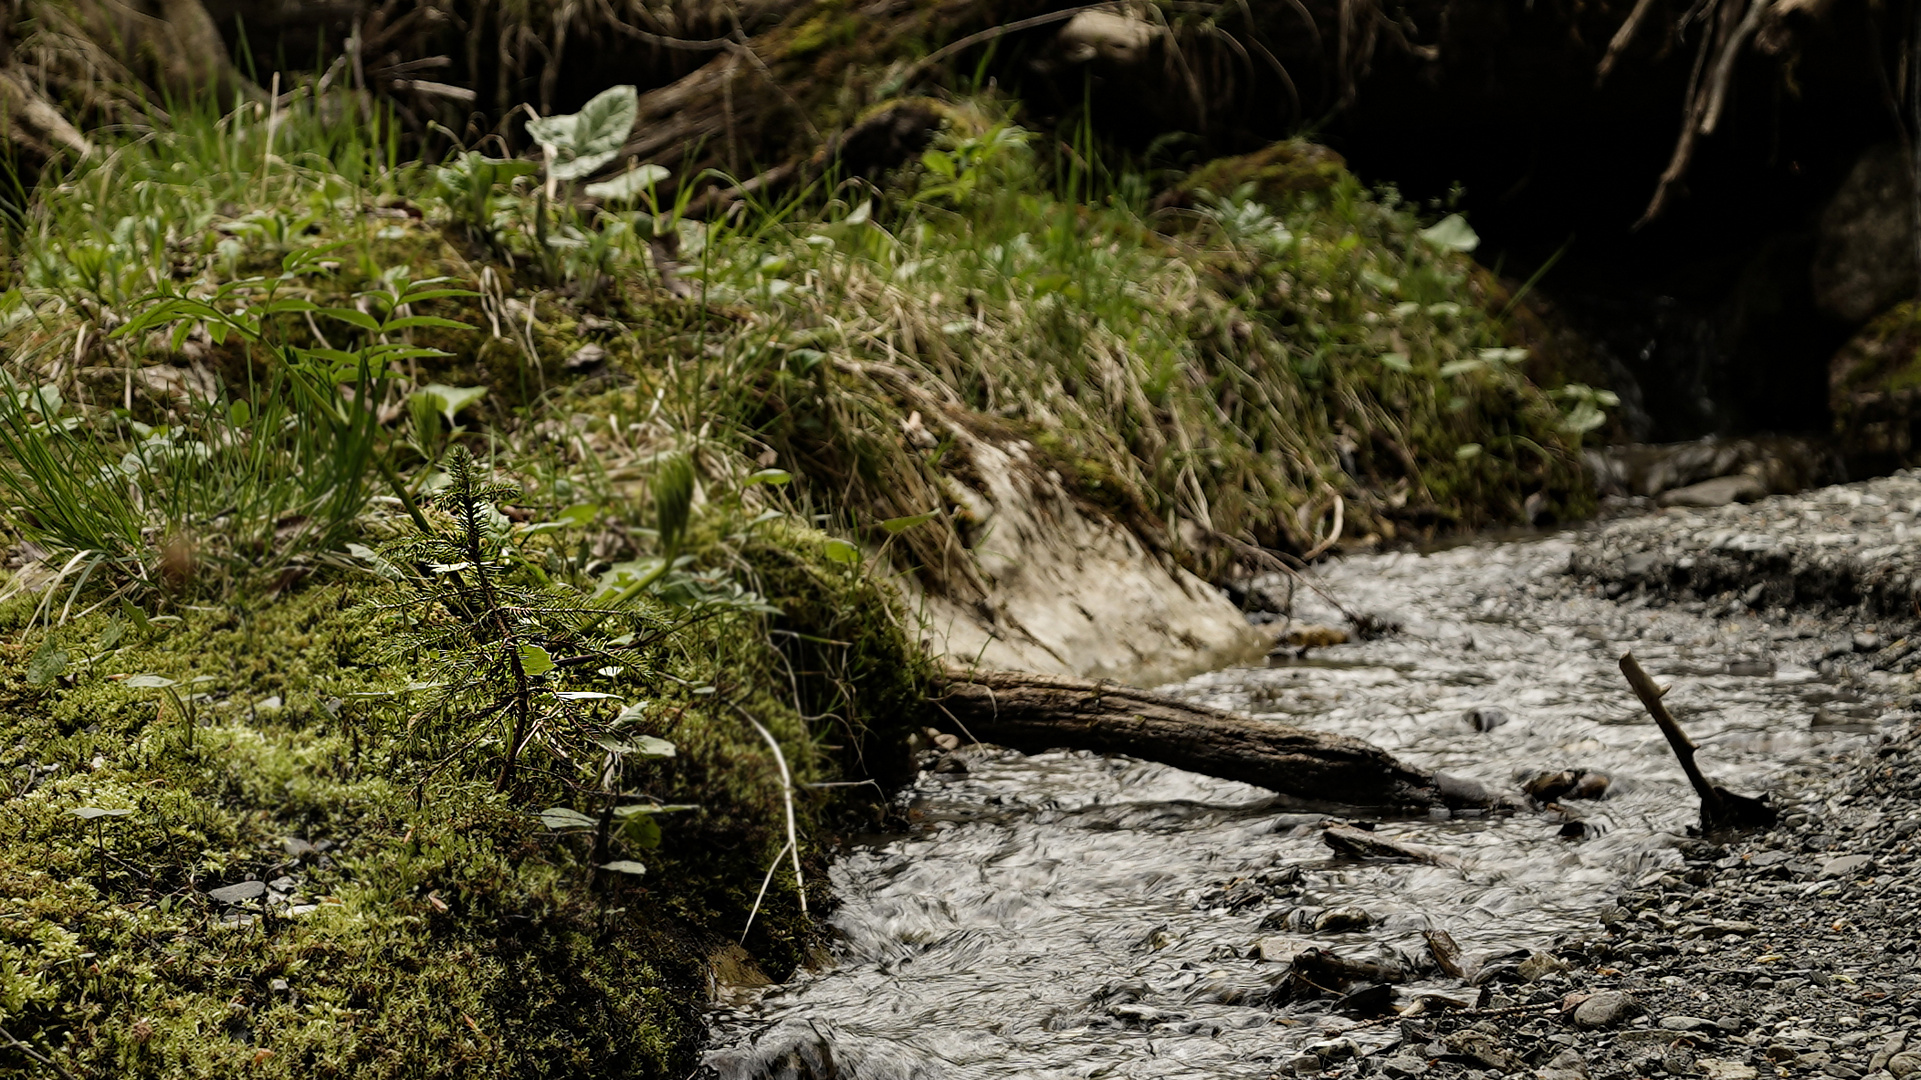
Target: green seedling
98,818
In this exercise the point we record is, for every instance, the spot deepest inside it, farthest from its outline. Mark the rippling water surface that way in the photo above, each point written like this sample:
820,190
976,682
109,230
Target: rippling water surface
1067,915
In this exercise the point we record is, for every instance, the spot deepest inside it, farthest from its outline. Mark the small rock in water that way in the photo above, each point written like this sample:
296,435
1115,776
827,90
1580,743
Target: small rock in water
1311,636
1485,717
1591,785
1550,787
1678,1060
1342,921
1334,1049
1609,1008
1302,1064
1865,642
951,764
1845,866
1283,950
1368,1001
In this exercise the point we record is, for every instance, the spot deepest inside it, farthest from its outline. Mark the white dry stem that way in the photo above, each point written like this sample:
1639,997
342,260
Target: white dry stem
787,797
762,895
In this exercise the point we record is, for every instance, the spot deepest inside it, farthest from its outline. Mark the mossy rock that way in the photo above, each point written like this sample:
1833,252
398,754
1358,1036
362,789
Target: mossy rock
1874,392
1277,172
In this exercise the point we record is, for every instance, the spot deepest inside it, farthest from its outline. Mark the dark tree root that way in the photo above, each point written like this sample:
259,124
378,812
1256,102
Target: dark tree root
1039,712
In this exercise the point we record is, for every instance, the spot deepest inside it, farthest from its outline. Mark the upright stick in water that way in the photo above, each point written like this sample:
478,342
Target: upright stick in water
1720,808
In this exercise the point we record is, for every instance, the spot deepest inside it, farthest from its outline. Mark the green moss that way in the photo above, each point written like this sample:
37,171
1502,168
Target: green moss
452,936
1276,173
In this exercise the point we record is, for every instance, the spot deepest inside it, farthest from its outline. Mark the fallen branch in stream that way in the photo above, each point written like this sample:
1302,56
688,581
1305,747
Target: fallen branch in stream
1720,808
1040,712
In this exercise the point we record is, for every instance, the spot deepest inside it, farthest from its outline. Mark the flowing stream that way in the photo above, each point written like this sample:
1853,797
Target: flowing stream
1069,915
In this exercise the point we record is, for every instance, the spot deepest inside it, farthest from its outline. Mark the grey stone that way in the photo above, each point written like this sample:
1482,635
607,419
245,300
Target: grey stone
1566,1065
1538,966
1678,1061
1866,642
1402,1067
1719,491
1845,866
241,893
1302,1064
1609,1008
1281,949
1334,1049
1904,1064
1687,1023
1342,920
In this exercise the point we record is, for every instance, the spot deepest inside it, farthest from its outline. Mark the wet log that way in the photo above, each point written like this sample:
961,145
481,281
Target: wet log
1040,712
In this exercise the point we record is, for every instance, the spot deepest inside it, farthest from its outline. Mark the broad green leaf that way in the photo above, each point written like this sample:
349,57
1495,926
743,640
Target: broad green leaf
582,695
629,185
133,614
535,660
840,551
621,576
641,831
452,399
1467,450
239,413
409,322
561,817
1460,367
89,813
45,666
579,514
902,524
417,296
149,682
285,304
1395,361
769,476
1452,233
642,746
389,352
579,143
335,357
624,866
632,712
352,317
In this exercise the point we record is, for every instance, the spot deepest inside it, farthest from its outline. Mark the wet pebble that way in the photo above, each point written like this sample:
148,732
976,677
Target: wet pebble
1609,1008
1485,717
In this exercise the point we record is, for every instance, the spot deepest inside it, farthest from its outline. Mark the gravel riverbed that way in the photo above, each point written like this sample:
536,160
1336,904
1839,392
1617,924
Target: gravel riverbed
1789,952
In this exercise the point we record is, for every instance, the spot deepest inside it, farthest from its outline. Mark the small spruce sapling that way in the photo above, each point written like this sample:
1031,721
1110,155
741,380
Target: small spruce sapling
489,629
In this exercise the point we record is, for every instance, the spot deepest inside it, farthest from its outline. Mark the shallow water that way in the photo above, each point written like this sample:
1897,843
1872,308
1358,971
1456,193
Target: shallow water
1068,915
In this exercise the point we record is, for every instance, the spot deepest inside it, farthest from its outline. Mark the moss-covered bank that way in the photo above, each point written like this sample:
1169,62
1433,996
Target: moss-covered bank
433,931
241,353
